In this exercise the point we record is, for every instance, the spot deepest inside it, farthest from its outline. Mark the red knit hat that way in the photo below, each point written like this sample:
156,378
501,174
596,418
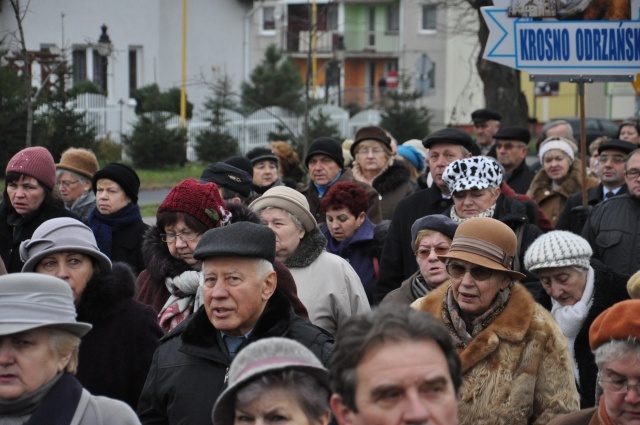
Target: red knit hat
200,200
35,162
620,321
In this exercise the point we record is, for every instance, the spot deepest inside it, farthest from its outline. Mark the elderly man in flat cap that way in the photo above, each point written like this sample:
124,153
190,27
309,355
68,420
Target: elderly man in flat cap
512,145
614,338
241,305
398,261
486,122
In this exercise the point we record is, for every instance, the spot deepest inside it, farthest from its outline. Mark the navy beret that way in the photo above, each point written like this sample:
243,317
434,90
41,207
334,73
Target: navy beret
225,175
486,114
436,222
449,135
513,133
242,239
619,145
261,154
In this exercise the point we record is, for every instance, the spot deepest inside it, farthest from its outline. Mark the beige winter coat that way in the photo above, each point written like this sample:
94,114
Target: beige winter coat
518,370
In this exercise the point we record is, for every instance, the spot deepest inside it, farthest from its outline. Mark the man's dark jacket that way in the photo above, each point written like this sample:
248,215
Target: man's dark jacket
190,367
595,195
521,178
398,260
613,231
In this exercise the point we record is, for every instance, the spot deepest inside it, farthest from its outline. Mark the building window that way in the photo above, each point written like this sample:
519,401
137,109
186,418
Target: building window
429,18
100,64
393,17
332,17
268,19
134,68
79,58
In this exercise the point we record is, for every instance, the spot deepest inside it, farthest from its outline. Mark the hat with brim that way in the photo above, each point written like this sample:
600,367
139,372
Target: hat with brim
261,357
33,300
486,242
289,200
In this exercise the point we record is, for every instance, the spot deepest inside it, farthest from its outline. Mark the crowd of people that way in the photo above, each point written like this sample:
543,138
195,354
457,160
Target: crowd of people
445,280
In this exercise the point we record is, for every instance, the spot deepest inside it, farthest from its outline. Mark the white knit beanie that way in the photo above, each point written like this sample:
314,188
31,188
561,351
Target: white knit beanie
558,249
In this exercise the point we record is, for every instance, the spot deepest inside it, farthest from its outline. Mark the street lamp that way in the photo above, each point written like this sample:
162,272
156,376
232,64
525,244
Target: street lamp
339,54
104,47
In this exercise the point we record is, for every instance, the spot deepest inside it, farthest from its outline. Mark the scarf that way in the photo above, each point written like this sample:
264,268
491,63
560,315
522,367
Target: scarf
104,226
54,403
462,332
487,213
322,189
186,297
570,318
419,287
603,416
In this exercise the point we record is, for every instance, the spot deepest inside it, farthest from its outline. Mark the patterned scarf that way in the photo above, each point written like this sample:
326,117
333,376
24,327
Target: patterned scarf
104,226
488,213
462,332
186,297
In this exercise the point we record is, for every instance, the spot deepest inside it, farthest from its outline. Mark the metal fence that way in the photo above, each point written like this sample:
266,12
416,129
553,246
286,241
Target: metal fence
115,120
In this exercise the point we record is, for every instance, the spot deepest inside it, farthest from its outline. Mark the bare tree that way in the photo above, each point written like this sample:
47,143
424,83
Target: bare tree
20,12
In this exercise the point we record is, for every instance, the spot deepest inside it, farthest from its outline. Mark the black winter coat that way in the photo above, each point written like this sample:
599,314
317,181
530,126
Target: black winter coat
398,260
595,195
11,237
609,288
393,186
521,178
190,367
127,246
116,354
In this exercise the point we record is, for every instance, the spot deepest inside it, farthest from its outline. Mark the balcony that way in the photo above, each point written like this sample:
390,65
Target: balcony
357,43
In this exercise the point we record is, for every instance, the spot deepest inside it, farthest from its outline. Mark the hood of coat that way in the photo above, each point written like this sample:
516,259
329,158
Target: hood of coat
161,264
106,292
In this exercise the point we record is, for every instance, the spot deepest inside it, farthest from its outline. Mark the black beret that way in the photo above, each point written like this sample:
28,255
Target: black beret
449,135
436,222
242,239
225,175
619,145
486,114
326,146
513,133
261,154
122,174
241,162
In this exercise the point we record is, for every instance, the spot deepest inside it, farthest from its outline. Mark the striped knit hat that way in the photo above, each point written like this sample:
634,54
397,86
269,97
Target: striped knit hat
558,249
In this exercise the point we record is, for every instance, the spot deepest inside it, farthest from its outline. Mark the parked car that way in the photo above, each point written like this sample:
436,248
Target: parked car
595,127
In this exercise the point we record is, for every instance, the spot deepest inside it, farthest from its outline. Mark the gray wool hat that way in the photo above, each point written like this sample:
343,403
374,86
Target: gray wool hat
558,248
59,235
290,200
33,300
267,355
242,239
436,222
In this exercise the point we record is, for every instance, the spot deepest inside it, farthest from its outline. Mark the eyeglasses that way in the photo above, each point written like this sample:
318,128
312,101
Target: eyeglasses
185,236
632,173
616,159
618,387
424,252
367,151
509,146
66,183
457,271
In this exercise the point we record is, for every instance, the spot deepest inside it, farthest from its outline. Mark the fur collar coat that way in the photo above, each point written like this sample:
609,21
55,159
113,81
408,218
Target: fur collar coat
517,371
552,202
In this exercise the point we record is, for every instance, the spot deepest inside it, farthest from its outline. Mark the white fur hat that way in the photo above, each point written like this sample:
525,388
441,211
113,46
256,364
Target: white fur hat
558,249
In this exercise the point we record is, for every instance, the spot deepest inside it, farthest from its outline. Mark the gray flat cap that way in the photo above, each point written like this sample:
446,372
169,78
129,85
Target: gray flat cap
242,239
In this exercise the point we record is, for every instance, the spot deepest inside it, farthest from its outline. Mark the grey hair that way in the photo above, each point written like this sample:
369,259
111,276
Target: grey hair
558,123
75,175
62,343
615,350
631,154
312,397
263,267
293,218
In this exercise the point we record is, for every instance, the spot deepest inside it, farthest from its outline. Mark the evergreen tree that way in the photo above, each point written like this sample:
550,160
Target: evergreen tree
216,144
13,119
150,99
152,144
404,119
275,82
320,125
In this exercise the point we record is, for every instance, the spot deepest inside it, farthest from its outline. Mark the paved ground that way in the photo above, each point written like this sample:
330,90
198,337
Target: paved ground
152,196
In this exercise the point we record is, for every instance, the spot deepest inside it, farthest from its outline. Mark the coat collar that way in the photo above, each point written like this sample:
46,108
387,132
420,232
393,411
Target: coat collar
511,325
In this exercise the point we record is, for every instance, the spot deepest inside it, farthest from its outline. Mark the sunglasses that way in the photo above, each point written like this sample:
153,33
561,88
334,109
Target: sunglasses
424,252
479,273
